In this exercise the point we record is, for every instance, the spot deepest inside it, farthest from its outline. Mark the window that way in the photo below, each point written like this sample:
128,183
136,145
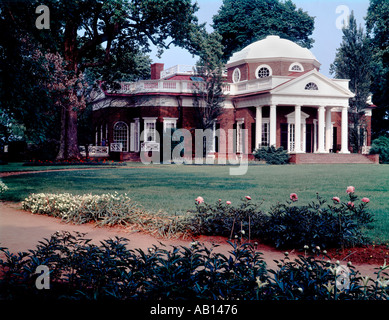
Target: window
239,136
120,134
236,75
263,71
169,124
296,67
311,86
150,130
265,133
291,137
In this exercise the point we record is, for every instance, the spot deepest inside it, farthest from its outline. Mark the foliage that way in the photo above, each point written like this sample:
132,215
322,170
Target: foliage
336,225
110,271
242,22
226,220
106,209
377,25
3,187
288,225
381,146
272,155
354,61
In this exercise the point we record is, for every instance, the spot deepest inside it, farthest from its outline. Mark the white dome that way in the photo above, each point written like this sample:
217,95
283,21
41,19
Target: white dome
272,47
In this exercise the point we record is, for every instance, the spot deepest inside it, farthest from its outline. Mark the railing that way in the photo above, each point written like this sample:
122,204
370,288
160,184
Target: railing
186,86
177,69
95,151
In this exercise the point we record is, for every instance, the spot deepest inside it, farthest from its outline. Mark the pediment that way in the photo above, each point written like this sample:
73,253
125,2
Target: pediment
325,86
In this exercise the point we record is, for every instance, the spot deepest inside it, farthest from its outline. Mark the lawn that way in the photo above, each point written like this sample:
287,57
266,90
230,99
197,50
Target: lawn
173,188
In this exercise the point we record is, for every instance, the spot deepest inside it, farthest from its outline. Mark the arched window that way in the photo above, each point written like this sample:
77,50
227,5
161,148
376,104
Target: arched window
263,71
296,67
120,134
311,86
236,75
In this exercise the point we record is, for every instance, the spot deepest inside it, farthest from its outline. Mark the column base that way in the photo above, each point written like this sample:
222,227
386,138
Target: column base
344,152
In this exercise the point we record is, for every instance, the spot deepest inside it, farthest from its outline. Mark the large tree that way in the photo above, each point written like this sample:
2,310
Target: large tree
86,33
353,61
240,22
377,23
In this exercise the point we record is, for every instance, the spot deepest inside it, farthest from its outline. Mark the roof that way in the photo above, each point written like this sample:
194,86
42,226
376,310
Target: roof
271,48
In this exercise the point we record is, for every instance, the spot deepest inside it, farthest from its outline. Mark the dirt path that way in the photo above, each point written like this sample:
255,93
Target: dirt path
20,230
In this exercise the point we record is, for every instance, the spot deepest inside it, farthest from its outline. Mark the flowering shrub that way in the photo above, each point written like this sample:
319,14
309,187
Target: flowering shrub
82,270
106,209
3,187
289,225
226,220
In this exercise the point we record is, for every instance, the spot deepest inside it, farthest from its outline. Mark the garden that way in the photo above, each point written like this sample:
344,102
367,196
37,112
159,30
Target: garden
325,213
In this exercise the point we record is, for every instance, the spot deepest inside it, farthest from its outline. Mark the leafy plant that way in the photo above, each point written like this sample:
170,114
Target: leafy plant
84,271
272,155
106,209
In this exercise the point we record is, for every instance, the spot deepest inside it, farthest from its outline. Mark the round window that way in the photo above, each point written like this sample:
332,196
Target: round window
236,75
263,72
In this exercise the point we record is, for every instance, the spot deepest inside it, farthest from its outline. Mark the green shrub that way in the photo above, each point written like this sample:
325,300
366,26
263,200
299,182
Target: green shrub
288,225
272,155
327,226
226,220
84,271
381,146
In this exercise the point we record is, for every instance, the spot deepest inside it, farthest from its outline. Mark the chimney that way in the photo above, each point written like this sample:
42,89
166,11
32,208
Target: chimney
156,69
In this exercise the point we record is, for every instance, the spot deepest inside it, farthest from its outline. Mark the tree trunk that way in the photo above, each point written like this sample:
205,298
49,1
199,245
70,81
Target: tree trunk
69,141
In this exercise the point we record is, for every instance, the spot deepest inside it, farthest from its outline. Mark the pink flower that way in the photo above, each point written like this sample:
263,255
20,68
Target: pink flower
366,200
199,200
293,197
350,204
228,202
248,197
220,200
336,199
350,189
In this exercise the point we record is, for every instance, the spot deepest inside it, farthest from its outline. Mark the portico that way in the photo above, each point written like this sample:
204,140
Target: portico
321,135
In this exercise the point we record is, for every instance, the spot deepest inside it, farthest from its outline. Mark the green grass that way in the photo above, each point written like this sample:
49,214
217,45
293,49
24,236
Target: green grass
173,188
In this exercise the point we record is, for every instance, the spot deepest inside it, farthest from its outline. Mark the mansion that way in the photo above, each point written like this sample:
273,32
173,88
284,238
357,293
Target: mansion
273,89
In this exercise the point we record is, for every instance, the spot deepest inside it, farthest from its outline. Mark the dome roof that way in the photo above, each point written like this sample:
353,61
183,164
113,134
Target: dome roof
271,48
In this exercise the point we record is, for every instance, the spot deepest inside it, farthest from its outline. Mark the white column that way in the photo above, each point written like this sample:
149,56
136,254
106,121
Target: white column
328,129
344,148
273,125
320,119
258,127
297,128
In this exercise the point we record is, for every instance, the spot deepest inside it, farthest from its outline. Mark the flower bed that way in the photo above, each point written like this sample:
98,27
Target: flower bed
288,225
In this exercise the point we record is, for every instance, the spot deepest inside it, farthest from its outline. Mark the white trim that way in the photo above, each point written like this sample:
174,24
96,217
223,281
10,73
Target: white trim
147,121
170,121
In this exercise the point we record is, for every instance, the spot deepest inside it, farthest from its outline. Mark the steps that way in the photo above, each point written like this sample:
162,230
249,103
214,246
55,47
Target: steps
329,158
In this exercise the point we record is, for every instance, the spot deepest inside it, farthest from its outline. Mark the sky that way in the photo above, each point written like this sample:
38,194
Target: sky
327,33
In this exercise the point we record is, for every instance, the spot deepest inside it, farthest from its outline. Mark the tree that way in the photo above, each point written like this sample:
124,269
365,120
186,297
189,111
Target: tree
208,95
353,61
377,24
241,22
87,32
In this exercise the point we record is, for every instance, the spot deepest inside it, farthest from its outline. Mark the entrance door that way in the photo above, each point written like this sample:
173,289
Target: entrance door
334,139
284,135
308,138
